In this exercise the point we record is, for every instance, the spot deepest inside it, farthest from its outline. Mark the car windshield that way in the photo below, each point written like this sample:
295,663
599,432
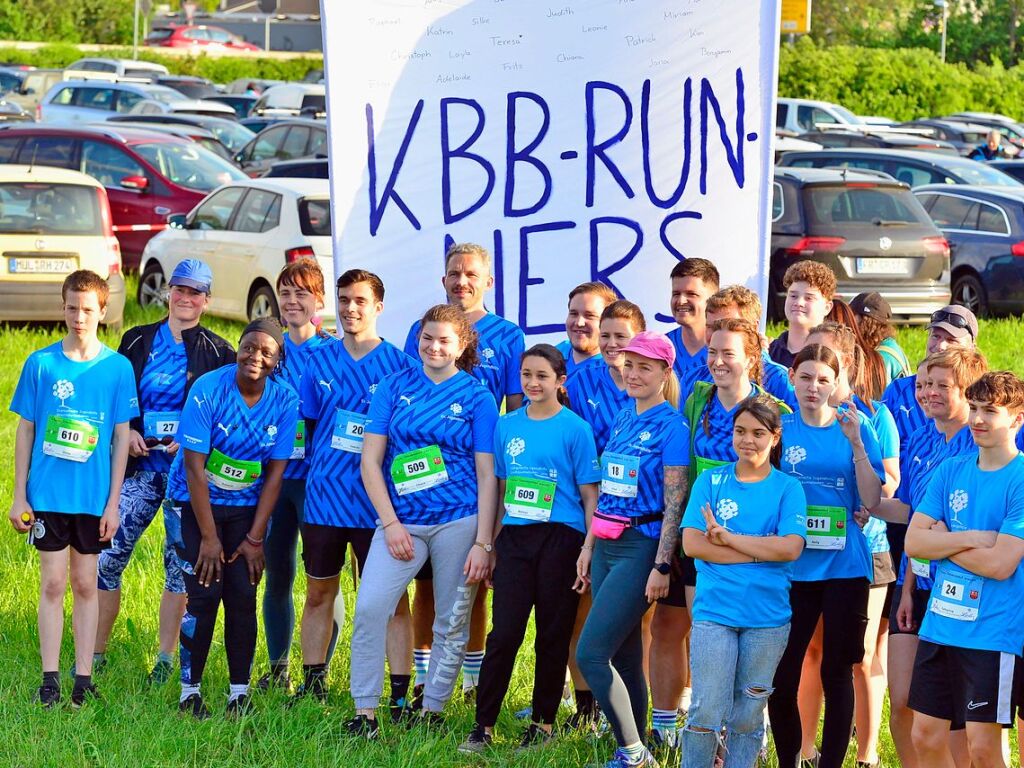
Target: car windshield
847,115
315,217
160,34
979,173
163,93
35,208
862,204
232,135
190,165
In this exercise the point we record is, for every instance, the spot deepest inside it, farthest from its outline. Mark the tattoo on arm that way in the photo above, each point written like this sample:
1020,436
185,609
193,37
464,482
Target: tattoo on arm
676,484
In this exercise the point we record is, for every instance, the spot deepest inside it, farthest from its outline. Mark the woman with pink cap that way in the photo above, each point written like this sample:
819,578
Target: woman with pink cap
633,536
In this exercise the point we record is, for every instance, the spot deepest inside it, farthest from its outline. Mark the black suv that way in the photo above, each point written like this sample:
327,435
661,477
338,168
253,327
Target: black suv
868,228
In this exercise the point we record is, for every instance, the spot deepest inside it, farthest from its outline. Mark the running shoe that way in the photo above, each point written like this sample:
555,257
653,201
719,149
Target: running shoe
79,694
534,736
195,706
477,742
162,672
239,706
621,760
363,726
48,696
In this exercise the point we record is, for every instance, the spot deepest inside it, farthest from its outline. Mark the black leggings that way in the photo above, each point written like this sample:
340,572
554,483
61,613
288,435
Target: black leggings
843,606
233,589
535,569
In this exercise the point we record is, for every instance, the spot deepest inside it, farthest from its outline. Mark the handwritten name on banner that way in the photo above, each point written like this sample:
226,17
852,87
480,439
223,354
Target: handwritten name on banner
580,140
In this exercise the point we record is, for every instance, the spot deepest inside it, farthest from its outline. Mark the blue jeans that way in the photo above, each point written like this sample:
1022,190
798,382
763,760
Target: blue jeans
732,670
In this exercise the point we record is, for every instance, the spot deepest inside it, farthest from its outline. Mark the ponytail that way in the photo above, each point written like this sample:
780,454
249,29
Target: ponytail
671,390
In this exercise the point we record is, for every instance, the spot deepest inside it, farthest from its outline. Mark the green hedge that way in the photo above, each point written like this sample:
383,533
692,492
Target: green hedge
219,69
902,83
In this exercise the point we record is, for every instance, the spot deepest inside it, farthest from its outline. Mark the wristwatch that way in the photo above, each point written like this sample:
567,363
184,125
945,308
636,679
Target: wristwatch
488,548
663,568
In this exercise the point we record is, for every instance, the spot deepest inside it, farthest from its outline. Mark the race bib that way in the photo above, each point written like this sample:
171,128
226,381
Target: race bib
921,567
71,439
826,527
529,499
348,431
418,470
231,474
161,423
703,465
956,595
299,446
620,474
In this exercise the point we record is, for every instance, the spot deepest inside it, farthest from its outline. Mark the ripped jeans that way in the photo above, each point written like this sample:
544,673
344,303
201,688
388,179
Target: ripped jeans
732,670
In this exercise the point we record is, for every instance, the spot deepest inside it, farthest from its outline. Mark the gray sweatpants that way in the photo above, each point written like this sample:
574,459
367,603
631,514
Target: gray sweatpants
384,581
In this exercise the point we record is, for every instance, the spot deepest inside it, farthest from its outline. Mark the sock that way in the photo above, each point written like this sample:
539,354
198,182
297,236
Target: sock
421,662
684,702
164,657
187,690
471,669
585,703
82,682
237,690
51,679
665,722
399,689
633,752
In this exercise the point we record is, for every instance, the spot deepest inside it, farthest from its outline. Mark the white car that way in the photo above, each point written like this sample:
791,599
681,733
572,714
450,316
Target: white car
183,106
115,70
802,115
246,231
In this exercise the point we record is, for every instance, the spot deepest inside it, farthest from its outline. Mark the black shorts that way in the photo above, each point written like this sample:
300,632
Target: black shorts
56,531
689,571
920,598
964,685
676,597
324,547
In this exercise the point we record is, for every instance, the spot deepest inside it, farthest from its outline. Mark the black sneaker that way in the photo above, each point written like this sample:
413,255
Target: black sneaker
280,682
401,714
656,742
162,672
195,706
416,702
79,695
581,721
48,696
477,742
469,695
316,691
361,725
534,737
240,706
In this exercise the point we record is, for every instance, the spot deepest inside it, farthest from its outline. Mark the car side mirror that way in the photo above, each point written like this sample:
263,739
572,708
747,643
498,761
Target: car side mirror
28,91
177,221
135,182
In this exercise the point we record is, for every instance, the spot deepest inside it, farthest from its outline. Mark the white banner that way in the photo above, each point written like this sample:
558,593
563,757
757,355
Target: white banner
576,140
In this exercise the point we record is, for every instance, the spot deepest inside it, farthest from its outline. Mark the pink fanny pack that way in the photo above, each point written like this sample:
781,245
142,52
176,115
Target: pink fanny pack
606,526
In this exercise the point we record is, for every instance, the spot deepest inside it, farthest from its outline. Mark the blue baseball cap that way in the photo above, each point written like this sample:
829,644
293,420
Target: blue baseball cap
192,273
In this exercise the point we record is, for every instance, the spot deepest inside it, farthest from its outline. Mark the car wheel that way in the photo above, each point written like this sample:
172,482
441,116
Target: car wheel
969,292
152,287
262,303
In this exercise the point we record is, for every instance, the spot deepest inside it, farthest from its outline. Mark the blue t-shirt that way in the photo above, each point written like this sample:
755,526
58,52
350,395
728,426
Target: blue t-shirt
775,381
746,594
570,363
500,347
594,397
558,450
162,395
966,498
457,417
900,397
634,461
889,445
74,407
238,440
336,391
686,363
821,458
296,358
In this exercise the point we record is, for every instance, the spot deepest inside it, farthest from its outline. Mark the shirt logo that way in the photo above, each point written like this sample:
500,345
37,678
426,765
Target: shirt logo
226,430
972,705
487,354
456,409
63,390
957,504
594,404
199,402
327,384
406,398
726,510
272,430
793,456
906,410
644,436
152,355
373,387
515,448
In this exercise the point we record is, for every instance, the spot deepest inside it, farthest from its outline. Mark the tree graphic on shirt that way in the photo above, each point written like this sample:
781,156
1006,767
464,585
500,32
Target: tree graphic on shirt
794,455
726,510
63,389
957,503
515,448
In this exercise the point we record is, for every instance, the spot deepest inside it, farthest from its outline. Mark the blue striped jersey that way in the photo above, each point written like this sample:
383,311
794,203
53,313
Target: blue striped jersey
296,357
900,398
715,443
685,362
570,362
238,440
500,347
594,397
336,392
655,439
161,393
457,417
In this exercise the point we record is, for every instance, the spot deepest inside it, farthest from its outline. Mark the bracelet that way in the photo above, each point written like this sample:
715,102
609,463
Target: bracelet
254,542
591,547
384,527
862,458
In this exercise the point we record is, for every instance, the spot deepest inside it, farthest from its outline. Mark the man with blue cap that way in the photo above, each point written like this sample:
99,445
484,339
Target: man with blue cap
167,357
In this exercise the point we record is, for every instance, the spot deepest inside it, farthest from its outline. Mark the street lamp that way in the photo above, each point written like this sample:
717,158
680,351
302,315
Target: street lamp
945,9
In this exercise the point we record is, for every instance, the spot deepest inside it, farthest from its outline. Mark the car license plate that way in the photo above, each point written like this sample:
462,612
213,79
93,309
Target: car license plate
41,266
883,266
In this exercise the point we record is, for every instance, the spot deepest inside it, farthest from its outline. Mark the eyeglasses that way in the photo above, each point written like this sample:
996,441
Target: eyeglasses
153,442
954,319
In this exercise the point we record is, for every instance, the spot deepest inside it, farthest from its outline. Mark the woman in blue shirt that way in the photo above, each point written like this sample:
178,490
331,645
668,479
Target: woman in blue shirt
237,429
547,479
836,457
432,427
744,525
632,539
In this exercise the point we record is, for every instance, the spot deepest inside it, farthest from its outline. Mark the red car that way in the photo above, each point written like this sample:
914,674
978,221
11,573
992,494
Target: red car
148,175
197,36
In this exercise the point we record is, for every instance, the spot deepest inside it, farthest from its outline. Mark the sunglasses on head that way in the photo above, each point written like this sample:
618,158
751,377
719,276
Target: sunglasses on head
952,318
152,442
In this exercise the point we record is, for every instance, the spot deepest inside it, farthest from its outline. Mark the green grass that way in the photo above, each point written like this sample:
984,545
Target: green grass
137,727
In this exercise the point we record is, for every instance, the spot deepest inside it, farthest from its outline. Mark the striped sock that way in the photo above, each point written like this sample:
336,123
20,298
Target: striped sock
187,690
421,662
665,723
471,669
633,752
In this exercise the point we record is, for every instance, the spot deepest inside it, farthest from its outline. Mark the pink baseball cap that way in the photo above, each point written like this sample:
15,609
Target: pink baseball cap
655,346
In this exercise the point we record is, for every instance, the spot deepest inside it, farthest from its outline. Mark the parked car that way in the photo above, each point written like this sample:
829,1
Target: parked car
200,37
985,229
1013,131
229,132
200,136
799,115
910,167
246,231
13,113
190,86
11,79
183,106
869,229
115,70
52,222
286,140
257,124
292,99
307,168
35,85
147,176
1014,168
241,103
246,84
88,100
877,139
966,137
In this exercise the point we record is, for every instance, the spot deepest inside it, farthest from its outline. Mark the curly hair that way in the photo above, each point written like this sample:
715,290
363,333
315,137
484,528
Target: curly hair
446,313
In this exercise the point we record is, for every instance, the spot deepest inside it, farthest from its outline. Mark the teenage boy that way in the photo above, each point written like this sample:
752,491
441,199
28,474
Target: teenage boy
693,281
75,399
500,346
810,288
971,521
583,323
337,387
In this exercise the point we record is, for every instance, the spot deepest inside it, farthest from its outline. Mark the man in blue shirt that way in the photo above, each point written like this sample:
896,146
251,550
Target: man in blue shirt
583,323
75,399
693,281
972,522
